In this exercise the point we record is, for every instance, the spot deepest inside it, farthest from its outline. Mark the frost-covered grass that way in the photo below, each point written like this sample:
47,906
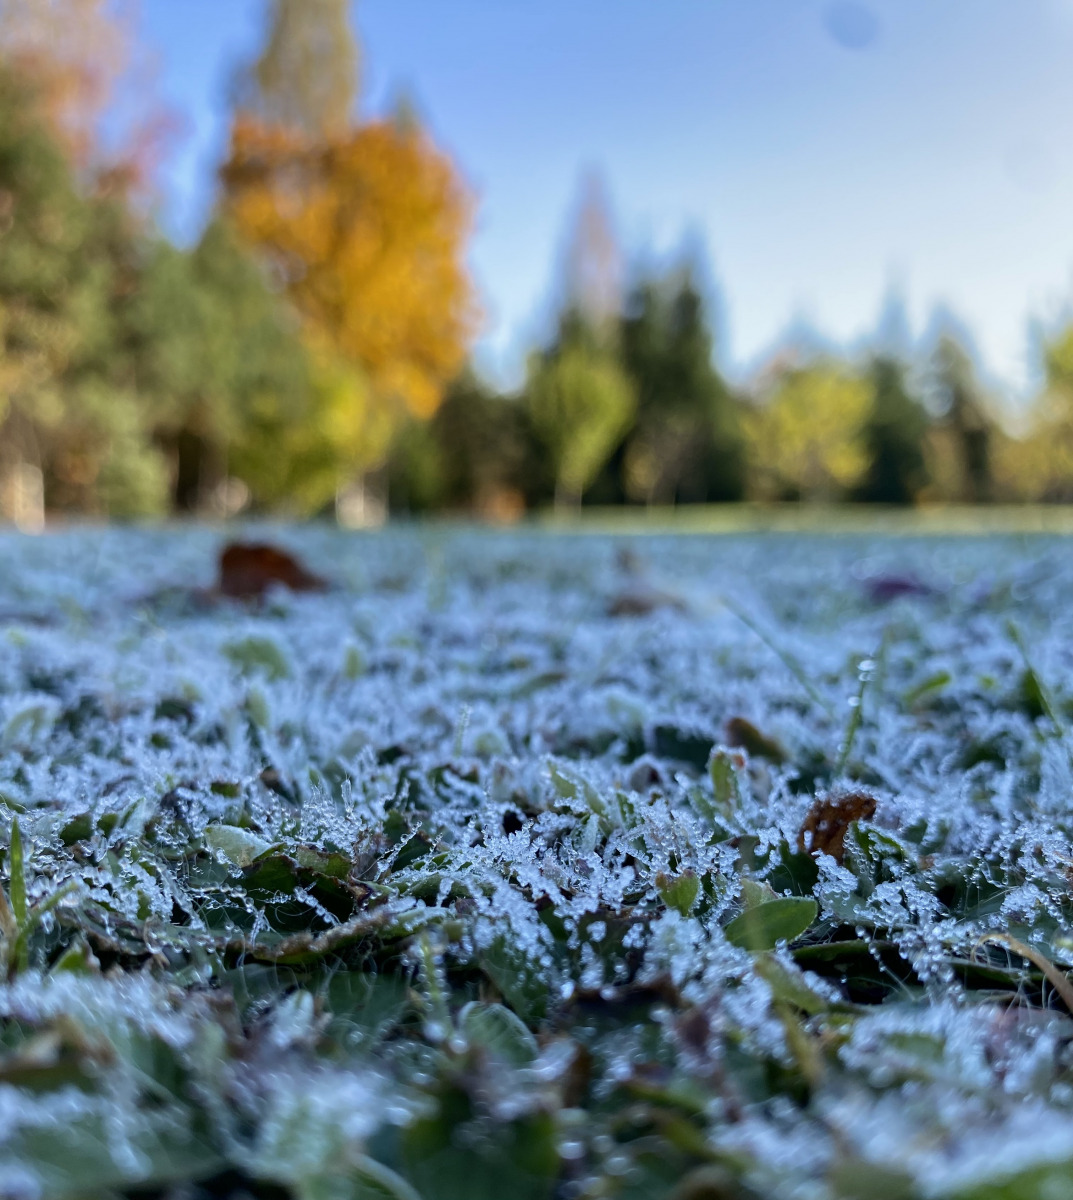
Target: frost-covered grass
521,866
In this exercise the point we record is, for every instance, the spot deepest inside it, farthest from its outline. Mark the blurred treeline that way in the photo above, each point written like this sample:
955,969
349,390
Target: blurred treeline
310,353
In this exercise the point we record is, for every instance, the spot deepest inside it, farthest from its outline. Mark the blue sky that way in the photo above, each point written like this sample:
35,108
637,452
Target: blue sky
825,154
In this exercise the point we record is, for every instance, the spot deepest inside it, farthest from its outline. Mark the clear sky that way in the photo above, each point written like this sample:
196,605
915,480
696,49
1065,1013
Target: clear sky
824,153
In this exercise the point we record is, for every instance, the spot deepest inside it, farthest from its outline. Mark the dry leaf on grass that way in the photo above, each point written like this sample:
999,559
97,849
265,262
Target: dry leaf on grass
824,828
248,570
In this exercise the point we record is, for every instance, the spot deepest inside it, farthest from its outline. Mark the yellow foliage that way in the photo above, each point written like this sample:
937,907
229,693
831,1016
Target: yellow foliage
1039,464
806,434
301,467
365,231
582,402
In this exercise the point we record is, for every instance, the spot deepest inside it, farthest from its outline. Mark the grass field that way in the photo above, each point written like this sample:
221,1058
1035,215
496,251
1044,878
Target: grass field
523,865
862,519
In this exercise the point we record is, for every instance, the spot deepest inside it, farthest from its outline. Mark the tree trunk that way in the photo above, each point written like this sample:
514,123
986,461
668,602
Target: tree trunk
566,499
22,481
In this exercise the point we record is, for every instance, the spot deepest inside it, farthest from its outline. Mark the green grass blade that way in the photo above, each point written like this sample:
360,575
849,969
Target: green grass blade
18,875
1046,699
21,957
789,661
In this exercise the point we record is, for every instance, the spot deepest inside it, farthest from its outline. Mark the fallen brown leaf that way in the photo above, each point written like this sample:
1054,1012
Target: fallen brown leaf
744,735
824,828
249,569
640,601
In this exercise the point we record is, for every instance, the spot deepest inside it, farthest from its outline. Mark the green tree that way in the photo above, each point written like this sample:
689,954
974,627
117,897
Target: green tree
895,434
129,367
805,434
477,454
963,412
580,402
221,355
685,445
73,419
1039,464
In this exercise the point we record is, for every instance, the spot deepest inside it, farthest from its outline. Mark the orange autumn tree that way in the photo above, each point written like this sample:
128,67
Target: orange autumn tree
364,226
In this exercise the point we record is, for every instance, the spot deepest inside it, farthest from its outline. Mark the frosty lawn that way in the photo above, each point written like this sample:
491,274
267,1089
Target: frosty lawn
522,866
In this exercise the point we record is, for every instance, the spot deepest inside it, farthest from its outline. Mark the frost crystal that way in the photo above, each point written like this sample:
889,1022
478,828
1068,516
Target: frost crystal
458,872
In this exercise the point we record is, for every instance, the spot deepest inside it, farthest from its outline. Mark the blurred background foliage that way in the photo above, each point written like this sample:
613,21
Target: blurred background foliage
311,353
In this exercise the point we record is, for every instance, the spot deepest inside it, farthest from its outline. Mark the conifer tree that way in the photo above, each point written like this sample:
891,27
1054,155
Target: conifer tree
307,76
593,267
686,444
965,413
894,436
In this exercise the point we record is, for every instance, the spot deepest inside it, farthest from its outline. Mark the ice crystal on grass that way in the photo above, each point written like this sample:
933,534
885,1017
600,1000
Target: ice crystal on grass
462,878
